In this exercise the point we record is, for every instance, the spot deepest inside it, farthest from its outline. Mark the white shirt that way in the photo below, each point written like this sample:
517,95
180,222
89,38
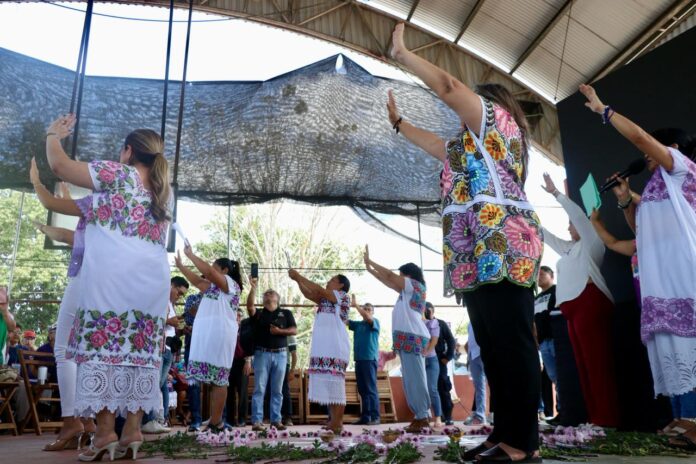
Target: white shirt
581,260
407,316
170,331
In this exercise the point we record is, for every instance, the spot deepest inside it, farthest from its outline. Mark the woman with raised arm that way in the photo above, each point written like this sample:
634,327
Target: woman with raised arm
329,352
588,306
492,243
665,222
410,336
116,337
74,434
215,328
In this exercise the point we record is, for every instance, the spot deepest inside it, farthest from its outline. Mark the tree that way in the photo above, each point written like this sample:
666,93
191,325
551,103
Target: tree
256,237
39,274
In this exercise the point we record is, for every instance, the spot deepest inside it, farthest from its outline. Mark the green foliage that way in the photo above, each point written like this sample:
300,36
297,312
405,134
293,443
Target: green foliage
256,237
403,453
180,445
284,451
450,453
39,274
362,452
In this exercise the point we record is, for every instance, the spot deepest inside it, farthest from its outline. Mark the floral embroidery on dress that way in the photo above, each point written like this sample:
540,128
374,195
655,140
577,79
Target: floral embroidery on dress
327,365
408,342
207,373
656,189
326,306
418,297
122,203
672,315
489,241
130,337
212,292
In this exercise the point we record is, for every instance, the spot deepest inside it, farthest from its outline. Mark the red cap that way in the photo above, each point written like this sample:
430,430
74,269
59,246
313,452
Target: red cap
29,334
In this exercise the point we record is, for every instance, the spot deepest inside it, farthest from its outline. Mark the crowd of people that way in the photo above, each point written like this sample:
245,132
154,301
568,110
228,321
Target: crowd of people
117,340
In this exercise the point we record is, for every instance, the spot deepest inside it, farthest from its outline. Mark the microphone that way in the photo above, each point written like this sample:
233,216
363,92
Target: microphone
634,168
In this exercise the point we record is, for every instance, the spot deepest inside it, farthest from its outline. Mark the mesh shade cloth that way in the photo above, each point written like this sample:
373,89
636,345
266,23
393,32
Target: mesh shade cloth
317,134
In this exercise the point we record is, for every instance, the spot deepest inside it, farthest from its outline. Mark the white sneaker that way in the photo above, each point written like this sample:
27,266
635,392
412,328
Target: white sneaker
154,427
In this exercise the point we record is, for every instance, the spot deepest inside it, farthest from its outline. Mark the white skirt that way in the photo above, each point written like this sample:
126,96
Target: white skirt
673,363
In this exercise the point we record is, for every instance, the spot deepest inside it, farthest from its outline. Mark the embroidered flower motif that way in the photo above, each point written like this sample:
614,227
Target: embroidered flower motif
522,269
207,373
327,365
460,236
446,179
98,339
463,275
478,175
522,237
516,149
104,213
418,297
489,266
491,215
114,325
408,342
497,242
145,333
446,224
455,155
495,145
461,192
106,174
137,213
446,253
505,122
480,248
469,144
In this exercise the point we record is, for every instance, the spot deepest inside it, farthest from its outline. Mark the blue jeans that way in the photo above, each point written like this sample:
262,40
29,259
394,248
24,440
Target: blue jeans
366,377
548,356
479,379
414,383
684,406
432,372
193,394
268,366
164,387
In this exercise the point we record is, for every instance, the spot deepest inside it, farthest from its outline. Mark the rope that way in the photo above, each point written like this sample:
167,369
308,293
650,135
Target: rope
560,66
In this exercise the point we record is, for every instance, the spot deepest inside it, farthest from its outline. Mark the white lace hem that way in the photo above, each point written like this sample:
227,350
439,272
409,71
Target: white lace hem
673,363
119,389
327,389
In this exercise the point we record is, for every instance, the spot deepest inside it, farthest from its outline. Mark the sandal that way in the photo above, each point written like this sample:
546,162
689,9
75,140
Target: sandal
470,455
677,427
686,440
497,455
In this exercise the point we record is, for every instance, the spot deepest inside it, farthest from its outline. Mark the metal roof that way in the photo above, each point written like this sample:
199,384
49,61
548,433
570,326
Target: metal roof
540,49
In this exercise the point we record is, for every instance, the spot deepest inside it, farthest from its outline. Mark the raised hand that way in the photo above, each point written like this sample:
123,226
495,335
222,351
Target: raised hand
622,190
63,126
550,187
65,191
293,274
366,256
188,251
34,173
593,101
177,260
253,281
353,300
594,217
392,110
398,45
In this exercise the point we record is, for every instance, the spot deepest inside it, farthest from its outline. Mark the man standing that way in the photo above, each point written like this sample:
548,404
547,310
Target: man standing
365,353
444,349
193,391
178,288
272,326
544,310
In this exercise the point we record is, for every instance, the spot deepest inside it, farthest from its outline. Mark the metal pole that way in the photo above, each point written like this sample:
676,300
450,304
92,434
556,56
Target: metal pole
16,243
420,242
82,66
229,226
166,70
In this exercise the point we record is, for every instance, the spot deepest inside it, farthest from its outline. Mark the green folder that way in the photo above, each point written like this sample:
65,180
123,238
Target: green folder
590,195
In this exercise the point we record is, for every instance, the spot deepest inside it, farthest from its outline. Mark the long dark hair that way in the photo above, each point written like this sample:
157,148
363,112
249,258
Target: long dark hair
671,135
344,281
503,97
148,148
232,270
413,271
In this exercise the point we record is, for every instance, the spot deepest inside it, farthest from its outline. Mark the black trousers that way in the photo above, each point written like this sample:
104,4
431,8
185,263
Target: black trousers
237,396
443,388
572,411
502,316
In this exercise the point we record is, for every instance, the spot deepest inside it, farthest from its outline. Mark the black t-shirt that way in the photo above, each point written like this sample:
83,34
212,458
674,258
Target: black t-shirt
263,319
544,303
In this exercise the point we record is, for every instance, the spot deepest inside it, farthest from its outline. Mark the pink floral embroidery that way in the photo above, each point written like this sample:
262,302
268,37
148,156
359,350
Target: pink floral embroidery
505,122
118,202
104,213
522,237
114,325
446,179
106,176
138,213
656,189
408,342
464,275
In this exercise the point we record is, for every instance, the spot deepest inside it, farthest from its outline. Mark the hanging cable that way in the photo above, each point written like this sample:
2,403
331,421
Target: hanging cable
180,122
565,41
81,68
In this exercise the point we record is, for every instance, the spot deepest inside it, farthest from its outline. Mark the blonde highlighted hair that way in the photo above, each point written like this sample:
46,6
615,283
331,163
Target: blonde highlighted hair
148,148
